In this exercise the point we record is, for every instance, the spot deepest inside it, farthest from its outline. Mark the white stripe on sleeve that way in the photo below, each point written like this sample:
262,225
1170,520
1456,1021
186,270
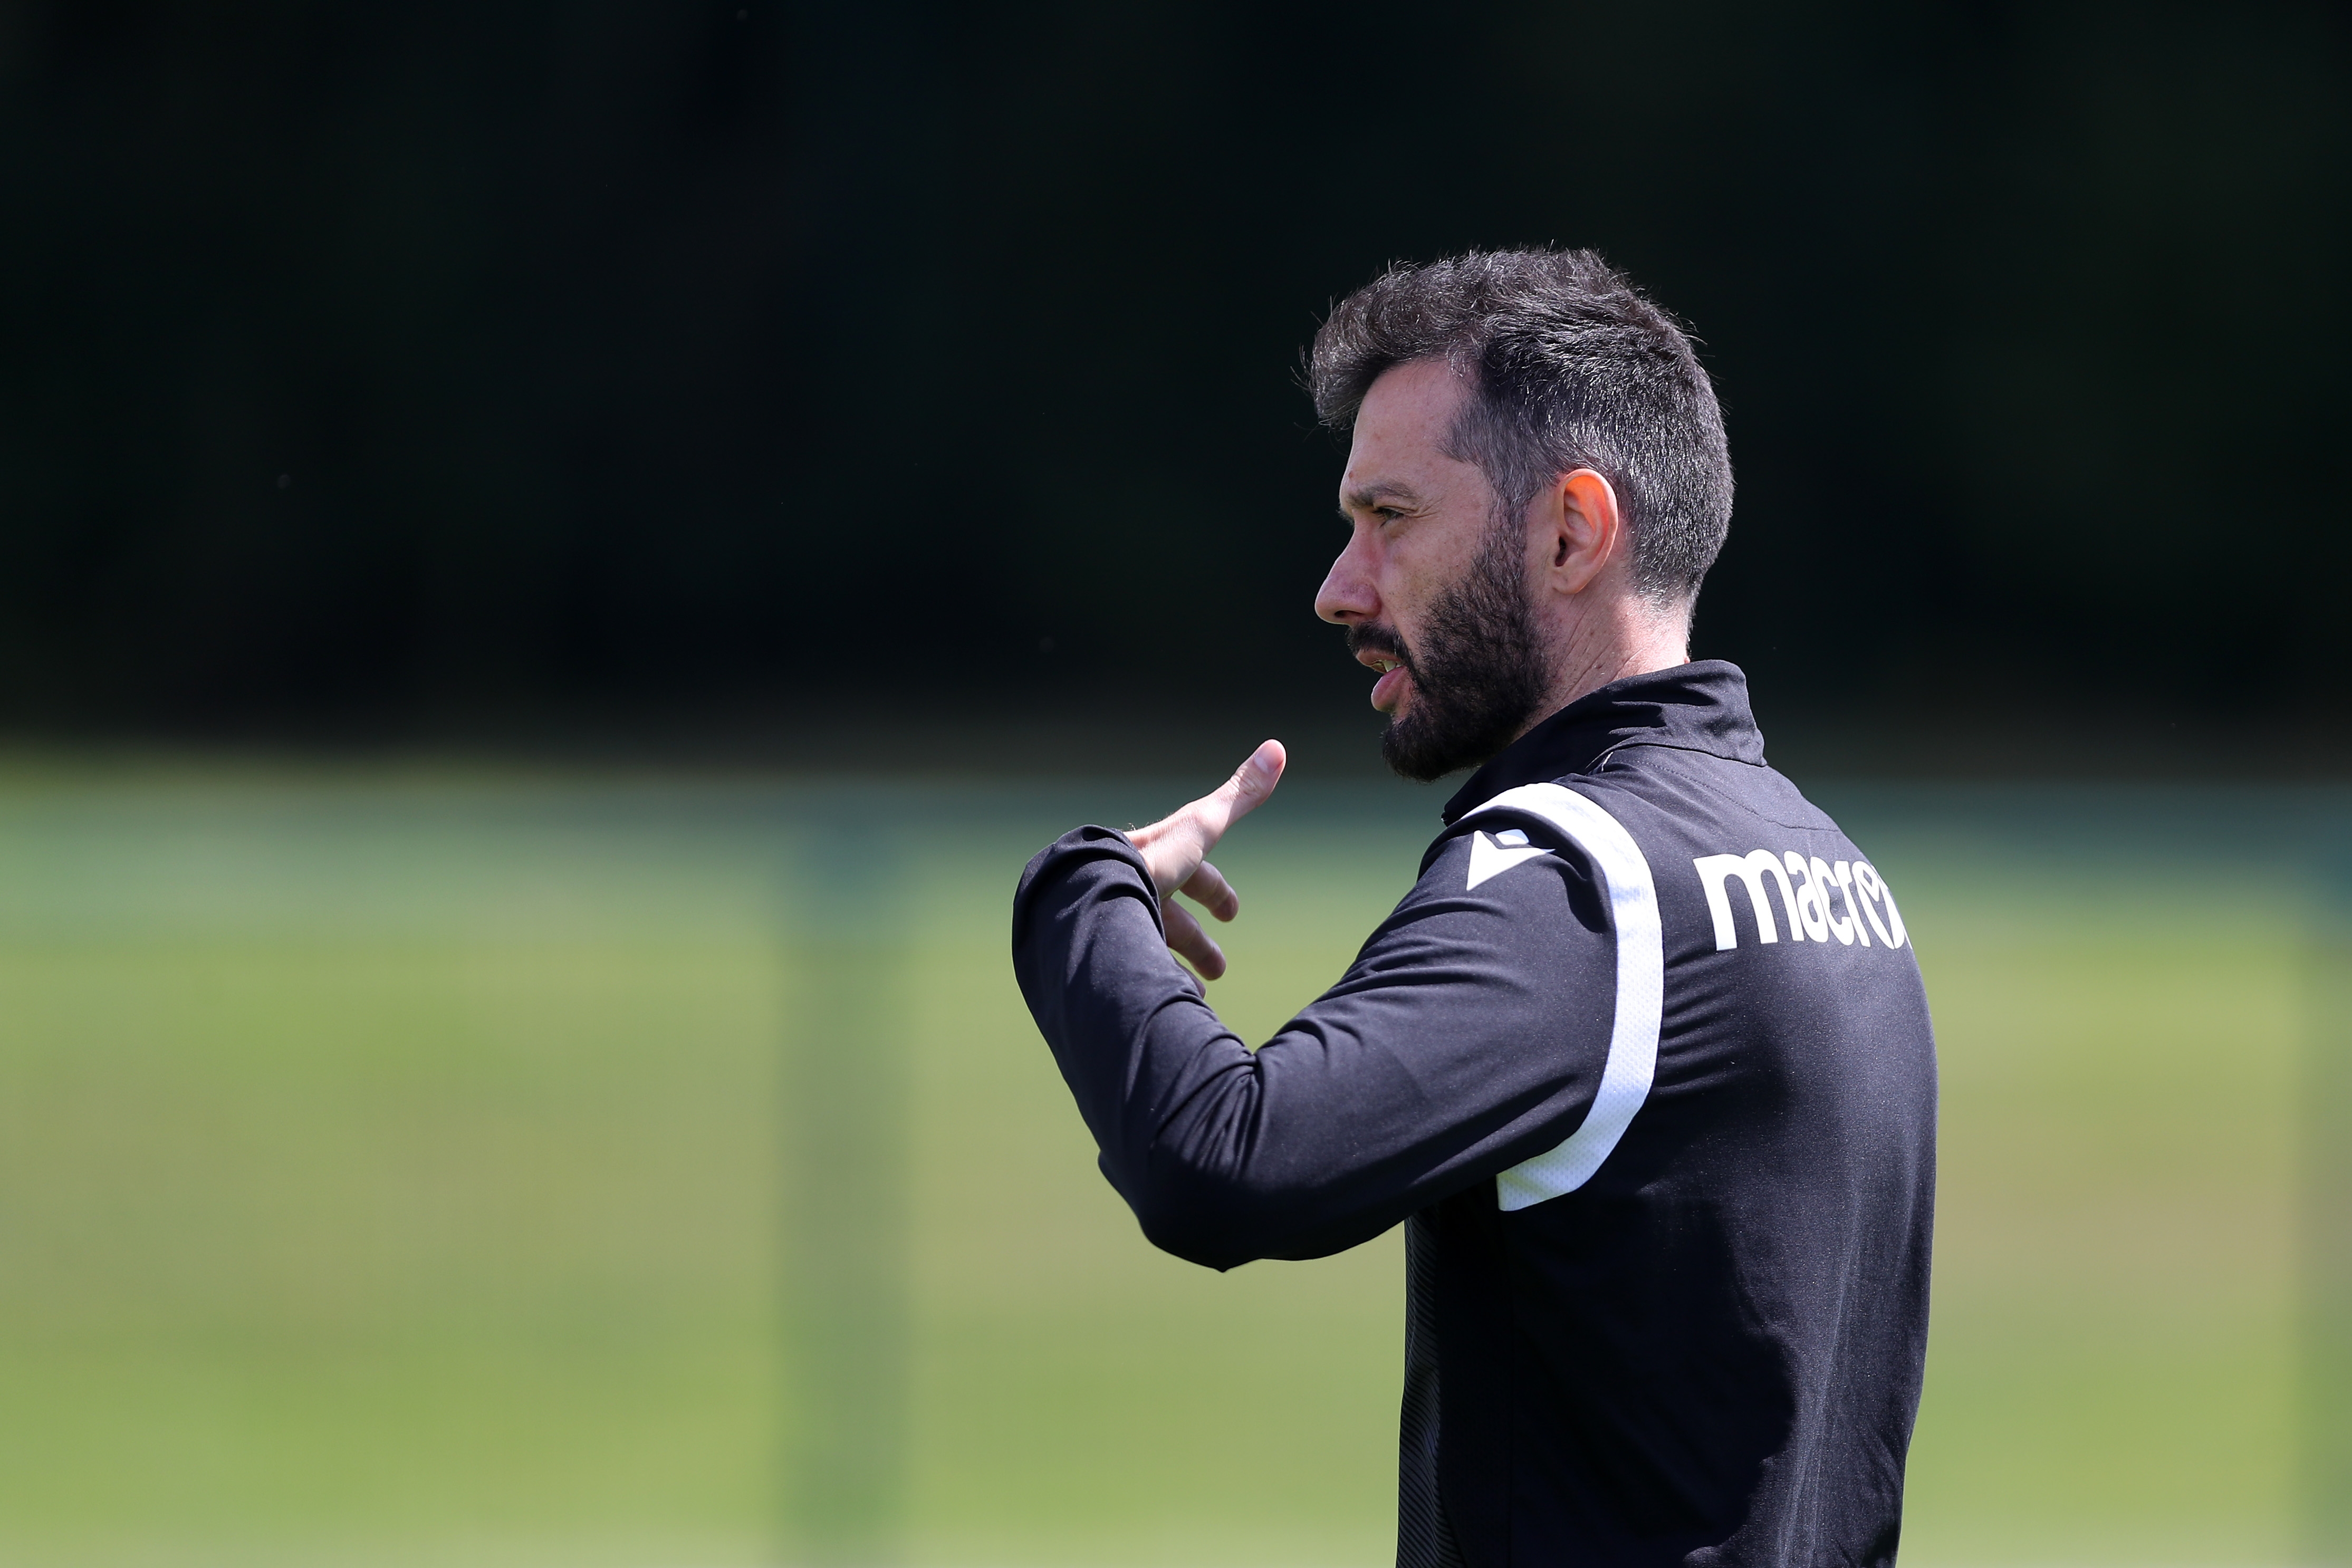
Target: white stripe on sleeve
1640,993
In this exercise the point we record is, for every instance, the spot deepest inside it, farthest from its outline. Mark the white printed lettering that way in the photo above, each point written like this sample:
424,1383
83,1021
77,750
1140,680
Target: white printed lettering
1810,906
1875,889
1806,883
1852,910
1823,881
1715,873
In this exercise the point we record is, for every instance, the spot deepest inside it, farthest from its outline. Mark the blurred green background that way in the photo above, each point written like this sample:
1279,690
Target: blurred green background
429,1165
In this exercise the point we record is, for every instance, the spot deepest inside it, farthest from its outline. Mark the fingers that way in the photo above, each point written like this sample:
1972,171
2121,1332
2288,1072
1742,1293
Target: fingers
1210,890
1191,943
1173,846
1240,795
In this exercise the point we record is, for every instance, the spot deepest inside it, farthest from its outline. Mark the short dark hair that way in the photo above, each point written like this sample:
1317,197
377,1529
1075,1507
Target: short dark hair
1569,367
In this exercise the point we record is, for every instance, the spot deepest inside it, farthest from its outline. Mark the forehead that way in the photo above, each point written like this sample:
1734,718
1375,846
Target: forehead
1402,430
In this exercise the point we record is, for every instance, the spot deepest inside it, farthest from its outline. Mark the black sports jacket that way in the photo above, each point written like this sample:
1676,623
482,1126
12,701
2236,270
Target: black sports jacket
1643,1064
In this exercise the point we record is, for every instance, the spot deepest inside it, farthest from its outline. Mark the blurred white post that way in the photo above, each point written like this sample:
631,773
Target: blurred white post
845,1242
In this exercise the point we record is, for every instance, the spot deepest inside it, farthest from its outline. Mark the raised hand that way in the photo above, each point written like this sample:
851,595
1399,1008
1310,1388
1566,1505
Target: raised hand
1175,849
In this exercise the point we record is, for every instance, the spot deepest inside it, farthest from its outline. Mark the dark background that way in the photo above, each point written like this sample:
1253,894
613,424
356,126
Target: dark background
426,371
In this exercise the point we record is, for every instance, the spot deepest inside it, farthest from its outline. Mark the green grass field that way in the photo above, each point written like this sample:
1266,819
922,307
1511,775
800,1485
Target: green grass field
409,1168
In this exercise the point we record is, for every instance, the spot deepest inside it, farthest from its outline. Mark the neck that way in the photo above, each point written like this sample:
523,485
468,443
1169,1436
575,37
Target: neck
1627,638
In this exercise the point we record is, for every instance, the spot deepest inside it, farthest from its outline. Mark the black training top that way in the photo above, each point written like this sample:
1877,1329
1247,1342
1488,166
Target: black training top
1643,1063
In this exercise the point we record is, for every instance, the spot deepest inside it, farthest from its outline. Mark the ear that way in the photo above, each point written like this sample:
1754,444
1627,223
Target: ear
1578,529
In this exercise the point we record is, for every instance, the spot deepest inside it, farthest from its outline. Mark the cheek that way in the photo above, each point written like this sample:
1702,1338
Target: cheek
1380,570
1408,583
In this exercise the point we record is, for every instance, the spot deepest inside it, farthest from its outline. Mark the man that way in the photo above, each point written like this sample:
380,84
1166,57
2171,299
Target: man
1642,1063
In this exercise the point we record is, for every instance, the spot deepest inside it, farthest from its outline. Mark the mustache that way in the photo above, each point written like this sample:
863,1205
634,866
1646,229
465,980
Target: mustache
1364,636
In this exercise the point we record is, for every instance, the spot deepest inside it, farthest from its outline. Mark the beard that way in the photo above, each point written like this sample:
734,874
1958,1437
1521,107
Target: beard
1479,672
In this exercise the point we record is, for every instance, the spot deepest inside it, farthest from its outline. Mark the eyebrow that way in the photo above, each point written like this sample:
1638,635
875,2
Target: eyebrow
1375,493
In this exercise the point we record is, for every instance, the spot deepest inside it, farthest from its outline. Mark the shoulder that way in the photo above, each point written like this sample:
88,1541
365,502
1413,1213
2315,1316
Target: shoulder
1566,816
1509,873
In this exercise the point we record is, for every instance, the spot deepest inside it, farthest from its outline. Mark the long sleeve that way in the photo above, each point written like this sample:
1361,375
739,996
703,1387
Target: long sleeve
1468,1035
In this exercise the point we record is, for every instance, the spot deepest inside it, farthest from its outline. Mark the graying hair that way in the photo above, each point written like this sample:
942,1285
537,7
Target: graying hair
1570,366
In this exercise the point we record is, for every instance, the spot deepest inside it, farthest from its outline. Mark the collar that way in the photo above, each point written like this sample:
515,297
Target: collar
1698,706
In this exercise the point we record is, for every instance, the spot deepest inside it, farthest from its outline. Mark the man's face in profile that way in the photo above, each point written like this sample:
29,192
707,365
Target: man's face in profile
1432,586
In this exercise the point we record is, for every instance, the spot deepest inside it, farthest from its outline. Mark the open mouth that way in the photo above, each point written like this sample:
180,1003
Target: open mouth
1394,678
1377,649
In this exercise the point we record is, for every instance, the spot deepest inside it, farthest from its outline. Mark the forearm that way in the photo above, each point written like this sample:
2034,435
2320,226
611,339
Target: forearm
1456,1044
1170,1093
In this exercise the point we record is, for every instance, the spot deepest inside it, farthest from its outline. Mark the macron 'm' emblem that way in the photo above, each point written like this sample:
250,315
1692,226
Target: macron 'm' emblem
1493,857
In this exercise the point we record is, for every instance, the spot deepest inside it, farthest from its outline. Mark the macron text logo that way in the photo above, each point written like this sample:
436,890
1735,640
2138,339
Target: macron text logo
1823,902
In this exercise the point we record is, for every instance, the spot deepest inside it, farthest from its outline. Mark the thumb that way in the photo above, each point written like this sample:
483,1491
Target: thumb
1243,793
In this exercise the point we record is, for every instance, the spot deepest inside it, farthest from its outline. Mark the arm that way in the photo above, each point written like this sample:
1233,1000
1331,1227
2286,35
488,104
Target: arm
1468,1035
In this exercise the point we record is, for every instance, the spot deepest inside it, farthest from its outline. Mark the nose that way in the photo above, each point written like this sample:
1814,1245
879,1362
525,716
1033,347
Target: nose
1347,595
